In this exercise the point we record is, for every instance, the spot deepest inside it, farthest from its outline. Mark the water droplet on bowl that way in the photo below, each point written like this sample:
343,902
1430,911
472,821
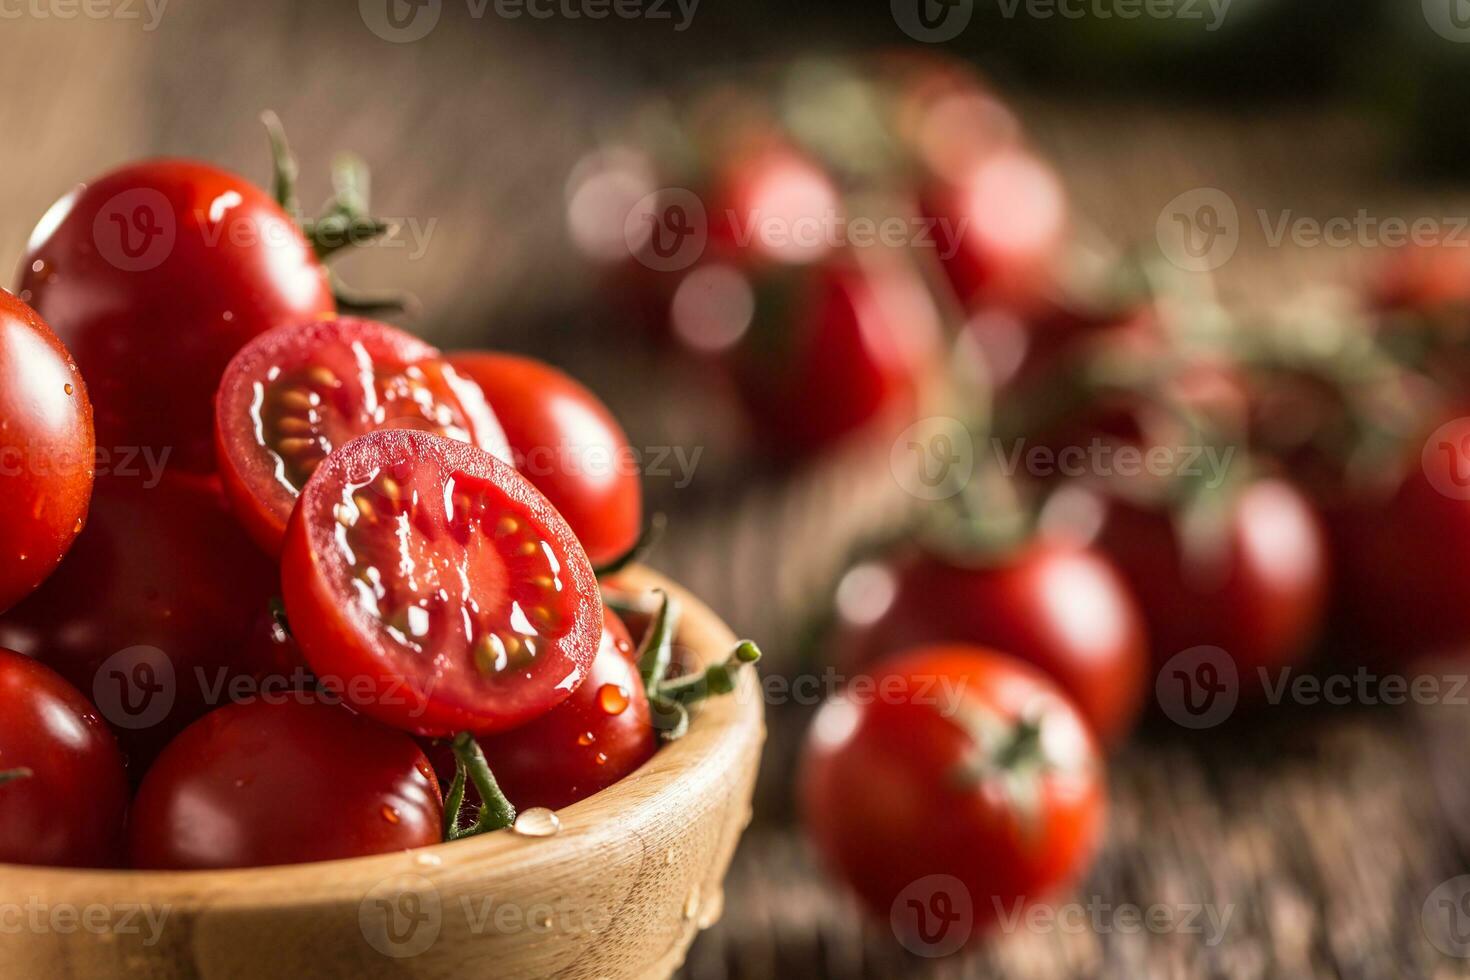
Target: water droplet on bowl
428,860
537,822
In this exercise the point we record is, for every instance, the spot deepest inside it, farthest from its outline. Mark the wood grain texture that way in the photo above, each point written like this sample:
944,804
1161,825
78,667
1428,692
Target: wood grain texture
635,872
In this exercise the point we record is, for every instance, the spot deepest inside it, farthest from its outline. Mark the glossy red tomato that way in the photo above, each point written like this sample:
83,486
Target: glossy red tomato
150,613
63,793
154,275
998,227
770,203
600,734
566,442
47,456
282,782
956,761
819,351
1253,581
1058,606
436,588
293,395
1402,563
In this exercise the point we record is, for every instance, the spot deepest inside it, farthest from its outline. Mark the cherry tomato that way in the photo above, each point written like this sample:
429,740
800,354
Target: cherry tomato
154,275
998,227
821,351
956,761
770,203
566,442
1250,579
1402,563
63,792
440,589
1058,606
283,782
150,613
600,734
47,454
293,395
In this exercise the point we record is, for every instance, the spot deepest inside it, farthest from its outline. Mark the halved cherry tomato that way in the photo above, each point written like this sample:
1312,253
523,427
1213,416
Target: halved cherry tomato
283,782
150,613
588,742
155,275
437,586
566,442
47,456
293,395
63,793
1060,607
955,761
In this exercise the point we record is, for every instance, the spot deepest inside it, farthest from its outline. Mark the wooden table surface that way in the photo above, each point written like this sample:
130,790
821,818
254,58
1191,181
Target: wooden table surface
1322,832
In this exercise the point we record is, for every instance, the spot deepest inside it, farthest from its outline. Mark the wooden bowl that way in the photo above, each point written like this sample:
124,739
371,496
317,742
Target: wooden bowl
634,873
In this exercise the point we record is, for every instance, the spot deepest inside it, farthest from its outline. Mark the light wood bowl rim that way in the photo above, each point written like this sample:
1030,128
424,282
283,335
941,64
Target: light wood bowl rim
680,774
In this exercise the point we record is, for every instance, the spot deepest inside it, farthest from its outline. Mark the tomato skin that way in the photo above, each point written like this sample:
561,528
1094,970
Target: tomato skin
349,646
271,782
1261,597
548,416
161,566
70,811
47,453
276,363
1401,564
1060,607
833,348
882,805
583,745
153,325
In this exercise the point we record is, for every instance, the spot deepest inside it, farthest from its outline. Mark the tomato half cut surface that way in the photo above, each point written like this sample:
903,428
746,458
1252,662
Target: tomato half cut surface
294,394
436,588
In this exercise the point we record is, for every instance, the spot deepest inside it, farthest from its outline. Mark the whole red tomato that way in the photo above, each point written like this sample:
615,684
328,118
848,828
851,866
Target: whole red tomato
47,455
958,762
1058,606
63,792
819,351
283,782
1402,560
154,275
152,611
1249,576
600,734
436,588
566,442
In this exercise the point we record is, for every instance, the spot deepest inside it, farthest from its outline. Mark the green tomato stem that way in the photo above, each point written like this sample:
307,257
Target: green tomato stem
496,812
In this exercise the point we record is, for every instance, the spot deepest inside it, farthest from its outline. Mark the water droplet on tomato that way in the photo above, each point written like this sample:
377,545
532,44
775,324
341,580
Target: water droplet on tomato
601,758
389,814
537,822
70,390
612,699
586,738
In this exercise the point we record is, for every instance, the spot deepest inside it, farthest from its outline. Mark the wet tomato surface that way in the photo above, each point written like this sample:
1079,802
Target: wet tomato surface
281,782
154,275
437,586
46,450
63,793
293,395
